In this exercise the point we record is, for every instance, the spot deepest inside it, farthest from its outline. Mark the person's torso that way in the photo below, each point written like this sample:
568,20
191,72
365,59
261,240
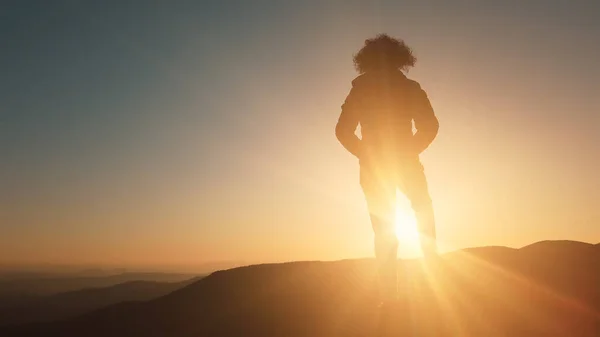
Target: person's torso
385,113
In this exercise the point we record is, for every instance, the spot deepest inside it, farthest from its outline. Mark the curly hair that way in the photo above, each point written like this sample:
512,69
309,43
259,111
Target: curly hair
384,51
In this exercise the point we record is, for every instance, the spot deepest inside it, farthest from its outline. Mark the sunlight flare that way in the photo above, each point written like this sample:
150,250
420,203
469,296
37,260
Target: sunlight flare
406,231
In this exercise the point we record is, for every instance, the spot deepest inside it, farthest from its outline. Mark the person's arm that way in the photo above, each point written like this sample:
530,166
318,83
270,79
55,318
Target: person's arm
345,130
426,122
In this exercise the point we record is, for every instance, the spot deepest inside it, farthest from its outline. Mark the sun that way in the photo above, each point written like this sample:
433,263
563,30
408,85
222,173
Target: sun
407,233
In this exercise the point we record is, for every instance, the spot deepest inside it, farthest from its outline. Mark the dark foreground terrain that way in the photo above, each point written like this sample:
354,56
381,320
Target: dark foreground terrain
546,289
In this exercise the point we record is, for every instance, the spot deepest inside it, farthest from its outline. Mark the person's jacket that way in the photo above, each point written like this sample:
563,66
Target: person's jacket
385,104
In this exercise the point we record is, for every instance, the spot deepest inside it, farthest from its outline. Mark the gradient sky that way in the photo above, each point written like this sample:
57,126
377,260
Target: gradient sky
181,132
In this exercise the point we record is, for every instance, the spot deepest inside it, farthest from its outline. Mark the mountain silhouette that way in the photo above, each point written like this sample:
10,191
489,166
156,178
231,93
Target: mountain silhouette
73,303
549,288
20,285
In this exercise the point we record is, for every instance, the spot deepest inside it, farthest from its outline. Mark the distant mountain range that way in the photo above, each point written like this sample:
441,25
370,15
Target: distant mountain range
550,288
19,285
73,303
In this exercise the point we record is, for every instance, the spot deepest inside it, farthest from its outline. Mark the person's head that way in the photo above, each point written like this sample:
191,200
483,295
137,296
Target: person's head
384,52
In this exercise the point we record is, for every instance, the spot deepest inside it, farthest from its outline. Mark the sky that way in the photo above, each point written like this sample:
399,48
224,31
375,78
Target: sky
171,134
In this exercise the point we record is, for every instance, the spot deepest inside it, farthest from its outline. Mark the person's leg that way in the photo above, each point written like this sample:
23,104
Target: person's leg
380,194
414,186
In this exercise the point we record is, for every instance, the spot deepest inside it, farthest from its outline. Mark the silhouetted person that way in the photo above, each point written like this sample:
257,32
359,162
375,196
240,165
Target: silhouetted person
385,103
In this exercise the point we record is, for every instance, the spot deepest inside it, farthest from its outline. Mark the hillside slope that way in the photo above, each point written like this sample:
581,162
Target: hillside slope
547,289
